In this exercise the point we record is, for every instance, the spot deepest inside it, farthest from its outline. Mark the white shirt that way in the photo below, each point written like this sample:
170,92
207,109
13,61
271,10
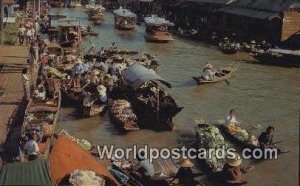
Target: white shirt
231,120
25,79
207,74
31,147
22,30
29,32
147,166
103,96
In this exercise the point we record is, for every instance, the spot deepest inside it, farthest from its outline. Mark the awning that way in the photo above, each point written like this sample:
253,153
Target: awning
257,14
67,156
29,173
136,75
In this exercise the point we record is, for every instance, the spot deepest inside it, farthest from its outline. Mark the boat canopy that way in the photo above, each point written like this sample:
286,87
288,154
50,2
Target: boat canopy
68,22
136,75
67,156
95,7
28,173
121,12
154,20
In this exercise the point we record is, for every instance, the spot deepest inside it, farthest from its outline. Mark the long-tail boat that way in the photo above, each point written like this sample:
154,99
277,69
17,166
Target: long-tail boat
124,19
157,29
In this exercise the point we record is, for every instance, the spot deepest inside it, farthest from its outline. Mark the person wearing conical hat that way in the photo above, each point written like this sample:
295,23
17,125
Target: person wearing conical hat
102,93
185,173
232,171
207,73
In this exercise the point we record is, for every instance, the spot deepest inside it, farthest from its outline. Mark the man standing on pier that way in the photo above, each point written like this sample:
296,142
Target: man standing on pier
26,83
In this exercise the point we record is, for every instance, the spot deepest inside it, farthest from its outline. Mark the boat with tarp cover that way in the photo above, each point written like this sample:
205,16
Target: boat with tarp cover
124,19
157,29
280,57
147,92
67,156
70,34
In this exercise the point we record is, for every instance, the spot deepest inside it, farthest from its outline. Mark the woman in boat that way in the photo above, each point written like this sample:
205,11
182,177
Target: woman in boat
232,122
208,73
232,172
144,169
89,29
102,93
185,174
113,46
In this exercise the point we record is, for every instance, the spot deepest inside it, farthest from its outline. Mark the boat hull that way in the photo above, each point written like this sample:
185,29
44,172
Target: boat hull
229,70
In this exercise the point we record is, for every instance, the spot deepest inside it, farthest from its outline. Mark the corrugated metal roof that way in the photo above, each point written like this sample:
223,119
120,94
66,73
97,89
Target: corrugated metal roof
220,2
136,75
267,5
29,173
257,14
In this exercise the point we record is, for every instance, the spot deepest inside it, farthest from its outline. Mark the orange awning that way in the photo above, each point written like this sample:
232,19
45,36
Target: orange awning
67,156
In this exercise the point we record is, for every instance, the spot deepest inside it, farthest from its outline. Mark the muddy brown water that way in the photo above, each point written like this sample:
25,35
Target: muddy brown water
261,94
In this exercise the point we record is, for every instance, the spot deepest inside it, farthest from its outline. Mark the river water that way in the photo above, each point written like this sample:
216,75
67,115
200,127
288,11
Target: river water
261,94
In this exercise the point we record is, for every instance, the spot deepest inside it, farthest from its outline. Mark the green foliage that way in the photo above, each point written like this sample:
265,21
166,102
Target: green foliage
11,33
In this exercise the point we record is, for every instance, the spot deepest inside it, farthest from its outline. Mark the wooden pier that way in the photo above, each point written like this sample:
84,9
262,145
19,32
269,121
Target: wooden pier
12,60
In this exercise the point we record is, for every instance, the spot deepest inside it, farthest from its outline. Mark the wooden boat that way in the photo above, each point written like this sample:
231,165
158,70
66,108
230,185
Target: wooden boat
93,107
98,22
67,155
227,47
122,115
221,74
157,29
85,33
124,19
70,38
279,57
147,92
165,168
201,142
41,117
244,144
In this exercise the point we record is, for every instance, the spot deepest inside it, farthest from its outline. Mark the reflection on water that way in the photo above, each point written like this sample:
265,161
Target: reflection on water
264,95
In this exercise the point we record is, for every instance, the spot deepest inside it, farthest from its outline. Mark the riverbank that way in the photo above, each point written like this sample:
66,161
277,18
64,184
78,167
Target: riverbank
12,105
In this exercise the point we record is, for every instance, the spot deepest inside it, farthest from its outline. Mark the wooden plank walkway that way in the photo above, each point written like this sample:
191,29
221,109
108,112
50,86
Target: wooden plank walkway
12,60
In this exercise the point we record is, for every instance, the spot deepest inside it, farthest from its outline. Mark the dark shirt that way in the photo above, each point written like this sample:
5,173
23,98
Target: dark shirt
265,139
185,176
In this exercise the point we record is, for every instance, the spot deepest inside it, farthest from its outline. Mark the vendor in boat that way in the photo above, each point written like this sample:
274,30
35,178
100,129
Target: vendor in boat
208,73
265,139
144,169
232,122
77,71
101,54
32,148
185,174
89,29
113,46
40,93
102,93
232,172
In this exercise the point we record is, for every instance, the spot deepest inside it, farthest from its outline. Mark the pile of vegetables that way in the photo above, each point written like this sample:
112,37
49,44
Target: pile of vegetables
11,32
83,178
210,138
242,135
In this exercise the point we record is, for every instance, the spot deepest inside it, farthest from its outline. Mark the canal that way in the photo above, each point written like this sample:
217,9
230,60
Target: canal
262,95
